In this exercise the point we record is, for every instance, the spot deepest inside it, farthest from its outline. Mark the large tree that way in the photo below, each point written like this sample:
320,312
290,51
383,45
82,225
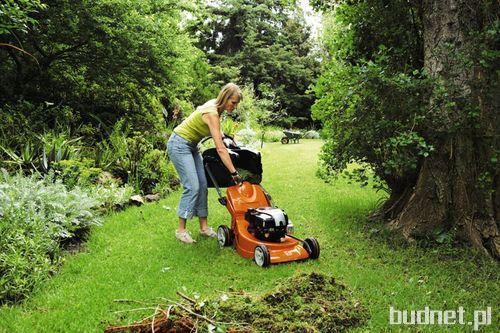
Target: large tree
458,185
416,97
264,43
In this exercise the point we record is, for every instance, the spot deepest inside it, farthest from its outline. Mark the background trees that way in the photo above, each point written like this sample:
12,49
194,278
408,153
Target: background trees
408,89
263,43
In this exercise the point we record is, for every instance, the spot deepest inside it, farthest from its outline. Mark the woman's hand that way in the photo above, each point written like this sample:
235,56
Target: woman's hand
237,179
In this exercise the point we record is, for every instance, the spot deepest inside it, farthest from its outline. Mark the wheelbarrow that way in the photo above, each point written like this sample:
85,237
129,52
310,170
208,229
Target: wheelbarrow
294,137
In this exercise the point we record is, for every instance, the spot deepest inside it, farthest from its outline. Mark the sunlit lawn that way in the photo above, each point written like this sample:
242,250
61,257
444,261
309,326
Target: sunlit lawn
135,256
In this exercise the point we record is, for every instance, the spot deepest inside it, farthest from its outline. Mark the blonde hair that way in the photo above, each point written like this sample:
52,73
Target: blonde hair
228,91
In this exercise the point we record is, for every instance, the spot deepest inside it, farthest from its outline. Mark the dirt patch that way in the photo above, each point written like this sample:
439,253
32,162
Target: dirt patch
303,303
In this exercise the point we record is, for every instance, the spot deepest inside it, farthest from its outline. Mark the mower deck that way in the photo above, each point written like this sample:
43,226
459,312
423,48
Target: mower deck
288,249
241,198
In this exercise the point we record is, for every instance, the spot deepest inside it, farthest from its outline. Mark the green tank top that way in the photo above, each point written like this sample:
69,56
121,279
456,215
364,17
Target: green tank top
193,128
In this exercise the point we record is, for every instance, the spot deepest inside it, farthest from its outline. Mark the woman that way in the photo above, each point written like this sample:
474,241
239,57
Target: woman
183,152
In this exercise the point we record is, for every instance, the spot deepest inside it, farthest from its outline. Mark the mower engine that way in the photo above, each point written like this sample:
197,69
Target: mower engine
268,223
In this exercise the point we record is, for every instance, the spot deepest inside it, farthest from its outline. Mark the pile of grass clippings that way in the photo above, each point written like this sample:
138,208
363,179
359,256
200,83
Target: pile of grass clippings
303,303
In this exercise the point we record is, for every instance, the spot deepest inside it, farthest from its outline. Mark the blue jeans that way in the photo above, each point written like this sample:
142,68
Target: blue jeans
189,165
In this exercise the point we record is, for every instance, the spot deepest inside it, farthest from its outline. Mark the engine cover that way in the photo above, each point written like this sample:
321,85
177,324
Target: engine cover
267,223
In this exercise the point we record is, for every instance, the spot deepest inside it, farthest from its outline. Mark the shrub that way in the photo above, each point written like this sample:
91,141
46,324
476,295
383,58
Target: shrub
311,135
25,158
28,254
131,157
39,152
58,146
246,135
37,216
155,172
77,173
21,119
111,196
229,126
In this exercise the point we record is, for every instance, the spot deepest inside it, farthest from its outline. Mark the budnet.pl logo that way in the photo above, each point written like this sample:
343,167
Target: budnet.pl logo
440,317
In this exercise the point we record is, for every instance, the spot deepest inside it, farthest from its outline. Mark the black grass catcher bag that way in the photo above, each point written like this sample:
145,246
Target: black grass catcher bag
246,161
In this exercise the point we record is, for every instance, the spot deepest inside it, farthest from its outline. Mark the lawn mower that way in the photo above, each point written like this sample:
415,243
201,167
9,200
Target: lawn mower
258,229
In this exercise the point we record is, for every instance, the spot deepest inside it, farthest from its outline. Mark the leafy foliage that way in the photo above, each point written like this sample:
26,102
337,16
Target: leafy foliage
373,117
131,157
24,121
37,215
97,63
77,173
104,58
371,95
15,15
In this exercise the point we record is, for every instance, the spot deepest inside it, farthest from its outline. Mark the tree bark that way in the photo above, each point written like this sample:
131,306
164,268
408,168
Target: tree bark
457,189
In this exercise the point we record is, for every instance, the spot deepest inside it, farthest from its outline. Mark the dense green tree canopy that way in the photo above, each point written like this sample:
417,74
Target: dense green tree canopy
106,58
14,15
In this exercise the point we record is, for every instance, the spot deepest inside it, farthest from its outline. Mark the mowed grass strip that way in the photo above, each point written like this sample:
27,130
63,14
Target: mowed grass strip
135,256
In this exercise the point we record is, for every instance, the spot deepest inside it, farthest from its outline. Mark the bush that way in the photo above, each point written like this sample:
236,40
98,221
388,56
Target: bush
77,173
384,113
21,119
311,135
101,185
246,135
135,160
37,216
28,254
229,126
38,153
155,172
111,196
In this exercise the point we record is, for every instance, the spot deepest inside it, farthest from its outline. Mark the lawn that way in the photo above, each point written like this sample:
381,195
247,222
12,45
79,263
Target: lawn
135,256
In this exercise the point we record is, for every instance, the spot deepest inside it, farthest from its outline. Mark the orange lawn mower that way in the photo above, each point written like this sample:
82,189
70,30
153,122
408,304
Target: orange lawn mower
258,229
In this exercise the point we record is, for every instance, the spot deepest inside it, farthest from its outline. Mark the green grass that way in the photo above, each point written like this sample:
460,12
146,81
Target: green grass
135,256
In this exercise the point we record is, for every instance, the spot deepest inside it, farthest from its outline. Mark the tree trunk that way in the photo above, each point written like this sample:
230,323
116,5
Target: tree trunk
458,188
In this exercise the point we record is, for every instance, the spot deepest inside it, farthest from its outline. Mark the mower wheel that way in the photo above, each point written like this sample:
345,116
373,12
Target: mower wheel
261,256
312,247
224,235
284,140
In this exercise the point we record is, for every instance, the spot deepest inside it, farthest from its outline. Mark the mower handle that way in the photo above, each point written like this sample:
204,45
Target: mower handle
222,199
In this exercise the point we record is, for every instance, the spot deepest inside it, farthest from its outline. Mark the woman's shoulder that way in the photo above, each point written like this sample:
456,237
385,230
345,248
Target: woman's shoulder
208,107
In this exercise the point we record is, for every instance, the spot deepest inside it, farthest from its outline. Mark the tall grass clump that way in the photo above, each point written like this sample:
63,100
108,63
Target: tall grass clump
37,217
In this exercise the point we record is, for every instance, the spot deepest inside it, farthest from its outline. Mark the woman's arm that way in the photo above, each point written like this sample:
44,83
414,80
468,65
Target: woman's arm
213,122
